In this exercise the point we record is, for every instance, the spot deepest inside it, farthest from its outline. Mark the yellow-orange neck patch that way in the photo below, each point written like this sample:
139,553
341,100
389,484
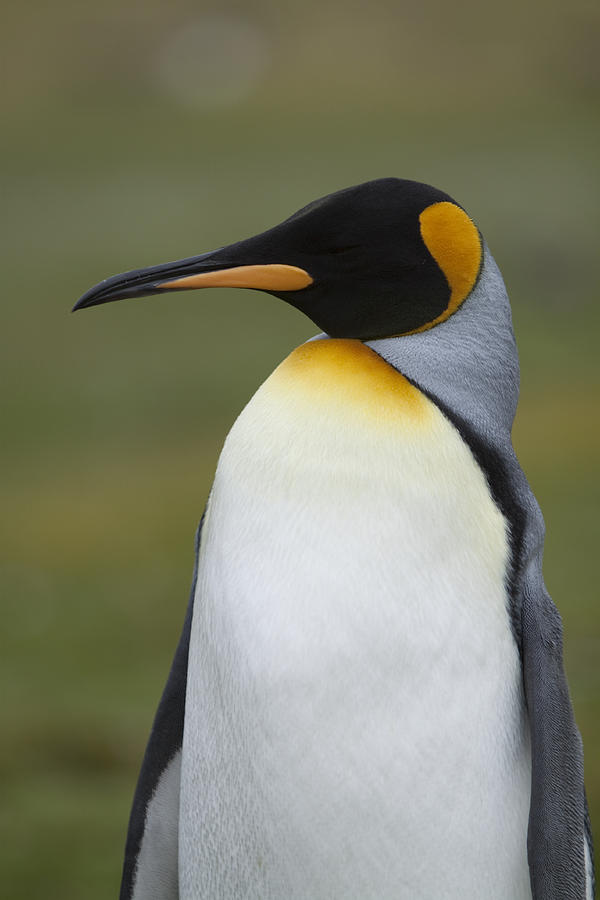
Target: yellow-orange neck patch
346,375
454,242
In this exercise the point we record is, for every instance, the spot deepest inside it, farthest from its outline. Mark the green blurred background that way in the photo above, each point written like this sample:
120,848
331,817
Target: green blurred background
135,133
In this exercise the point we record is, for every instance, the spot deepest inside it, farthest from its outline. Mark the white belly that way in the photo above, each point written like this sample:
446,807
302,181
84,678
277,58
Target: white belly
355,721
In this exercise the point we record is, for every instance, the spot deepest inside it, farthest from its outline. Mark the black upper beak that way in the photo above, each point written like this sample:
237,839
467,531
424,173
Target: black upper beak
144,282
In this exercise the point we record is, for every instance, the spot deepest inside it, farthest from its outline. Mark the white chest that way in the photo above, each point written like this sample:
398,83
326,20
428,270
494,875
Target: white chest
354,716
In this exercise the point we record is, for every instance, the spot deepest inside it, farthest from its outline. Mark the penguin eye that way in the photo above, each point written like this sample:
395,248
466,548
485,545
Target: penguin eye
336,251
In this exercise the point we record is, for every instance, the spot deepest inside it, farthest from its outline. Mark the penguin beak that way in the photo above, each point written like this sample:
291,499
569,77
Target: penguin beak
218,268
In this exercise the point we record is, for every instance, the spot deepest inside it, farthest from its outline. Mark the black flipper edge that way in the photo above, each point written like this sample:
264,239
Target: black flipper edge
165,740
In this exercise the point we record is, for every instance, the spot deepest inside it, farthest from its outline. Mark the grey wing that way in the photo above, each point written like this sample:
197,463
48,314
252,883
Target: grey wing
150,868
559,839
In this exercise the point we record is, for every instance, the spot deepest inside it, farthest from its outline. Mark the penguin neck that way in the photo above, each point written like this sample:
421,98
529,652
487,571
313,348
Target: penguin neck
469,363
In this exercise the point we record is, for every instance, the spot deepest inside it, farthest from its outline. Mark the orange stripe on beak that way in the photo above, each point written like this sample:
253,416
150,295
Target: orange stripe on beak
273,277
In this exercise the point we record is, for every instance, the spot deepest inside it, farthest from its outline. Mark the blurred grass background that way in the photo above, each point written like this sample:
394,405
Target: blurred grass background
135,133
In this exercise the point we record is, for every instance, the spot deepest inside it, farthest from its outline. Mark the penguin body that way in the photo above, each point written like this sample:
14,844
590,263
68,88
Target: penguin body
358,715
368,698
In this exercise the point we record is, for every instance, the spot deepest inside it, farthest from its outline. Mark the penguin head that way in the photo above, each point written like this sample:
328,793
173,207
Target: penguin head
385,258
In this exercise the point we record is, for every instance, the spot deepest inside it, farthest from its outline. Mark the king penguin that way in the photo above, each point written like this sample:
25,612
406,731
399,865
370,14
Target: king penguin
368,699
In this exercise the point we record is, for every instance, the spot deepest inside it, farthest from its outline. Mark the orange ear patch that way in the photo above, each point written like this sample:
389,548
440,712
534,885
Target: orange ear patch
455,244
